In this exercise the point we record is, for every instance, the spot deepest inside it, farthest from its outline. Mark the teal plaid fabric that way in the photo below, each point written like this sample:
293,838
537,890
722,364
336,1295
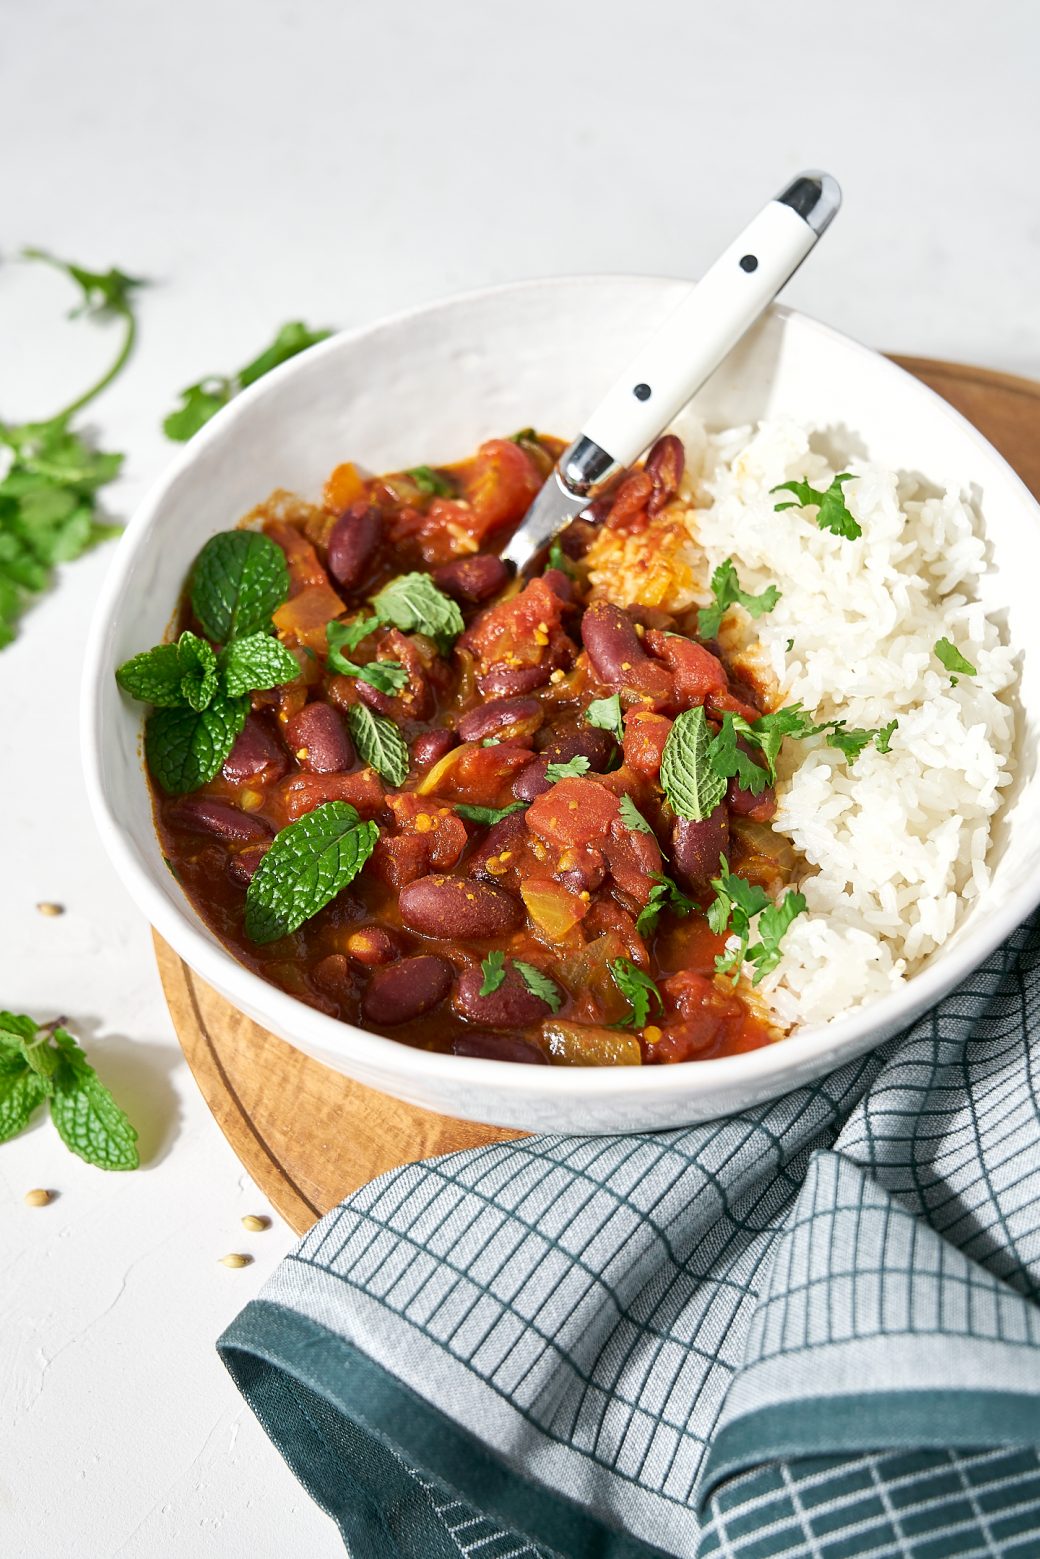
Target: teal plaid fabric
811,1330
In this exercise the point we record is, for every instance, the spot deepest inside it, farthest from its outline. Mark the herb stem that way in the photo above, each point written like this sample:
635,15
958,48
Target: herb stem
95,390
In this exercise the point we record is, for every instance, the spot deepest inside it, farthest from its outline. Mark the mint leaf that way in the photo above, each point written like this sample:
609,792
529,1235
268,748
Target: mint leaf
833,514
240,577
493,968
200,402
951,657
379,743
198,666
633,818
773,923
428,482
638,990
690,783
665,894
486,815
154,677
256,662
16,1031
88,1119
569,770
539,984
413,603
605,714
726,589
304,868
185,748
22,1091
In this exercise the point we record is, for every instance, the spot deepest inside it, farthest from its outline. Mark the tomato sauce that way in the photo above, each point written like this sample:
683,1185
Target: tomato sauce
561,887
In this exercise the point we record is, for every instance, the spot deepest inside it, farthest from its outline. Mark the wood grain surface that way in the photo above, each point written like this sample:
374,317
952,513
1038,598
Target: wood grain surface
307,1135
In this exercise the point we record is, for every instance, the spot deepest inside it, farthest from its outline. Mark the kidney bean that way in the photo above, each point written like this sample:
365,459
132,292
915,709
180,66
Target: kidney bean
507,834
256,749
508,681
353,541
242,866
335,977
431,746
531,782
511,1006
458,907
560,584
373,945
499,715
319,740
499,1047
472,579
406,989
760,808
616,654
582,870
205,815
599,747
664,466
697,847
363,789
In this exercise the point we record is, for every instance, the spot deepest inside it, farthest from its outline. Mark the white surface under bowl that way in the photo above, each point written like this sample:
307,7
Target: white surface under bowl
428,386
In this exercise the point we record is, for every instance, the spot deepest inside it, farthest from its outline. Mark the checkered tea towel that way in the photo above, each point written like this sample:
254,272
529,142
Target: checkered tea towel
812,1329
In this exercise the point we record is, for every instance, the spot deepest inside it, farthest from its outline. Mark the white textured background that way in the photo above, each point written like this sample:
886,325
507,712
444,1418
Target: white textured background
264,160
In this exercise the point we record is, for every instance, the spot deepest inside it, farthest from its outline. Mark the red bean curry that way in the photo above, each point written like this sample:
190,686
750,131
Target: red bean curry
531,894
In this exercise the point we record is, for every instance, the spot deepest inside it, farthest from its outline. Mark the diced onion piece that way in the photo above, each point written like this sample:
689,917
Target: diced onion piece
586,1044
554,909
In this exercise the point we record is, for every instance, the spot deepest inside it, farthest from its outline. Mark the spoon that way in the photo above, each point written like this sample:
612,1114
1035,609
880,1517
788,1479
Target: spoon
685,351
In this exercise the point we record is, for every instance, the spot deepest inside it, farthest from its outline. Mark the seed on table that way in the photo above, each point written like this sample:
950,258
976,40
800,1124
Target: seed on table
256,1222
47,908
38,1197
235,1259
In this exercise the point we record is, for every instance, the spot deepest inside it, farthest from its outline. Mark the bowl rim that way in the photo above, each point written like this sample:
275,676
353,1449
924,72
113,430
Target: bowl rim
795,1055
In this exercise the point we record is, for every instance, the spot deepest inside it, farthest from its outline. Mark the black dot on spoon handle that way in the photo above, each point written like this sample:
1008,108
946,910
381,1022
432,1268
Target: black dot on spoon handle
641,392
749,262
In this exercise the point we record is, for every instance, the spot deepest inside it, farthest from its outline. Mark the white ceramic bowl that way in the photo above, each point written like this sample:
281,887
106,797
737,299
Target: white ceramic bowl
429,385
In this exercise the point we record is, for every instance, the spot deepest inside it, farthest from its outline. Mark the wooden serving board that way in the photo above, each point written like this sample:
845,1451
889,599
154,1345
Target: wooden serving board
307,1135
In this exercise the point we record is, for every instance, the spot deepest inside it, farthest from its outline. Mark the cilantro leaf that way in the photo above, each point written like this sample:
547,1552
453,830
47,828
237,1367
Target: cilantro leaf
154,677
486,815
883,738
605,714
950,656
304,867
730,761
665,894
725,587
413,603
386,676
239,578
185,748
832,511
198,667
104,292
429,482
569,770
493,968
341,635
256,662
633,818
638,990
539,984
559,560
379,743
201,401
88,1119
690,783
773,923
850,740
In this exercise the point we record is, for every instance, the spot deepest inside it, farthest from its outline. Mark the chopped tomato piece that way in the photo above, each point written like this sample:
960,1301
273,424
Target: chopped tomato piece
440,828
502,486
305,566
303,792
719,704
401,859
479,775
344,486
574,812
520,635
645,736
697,671
707,1019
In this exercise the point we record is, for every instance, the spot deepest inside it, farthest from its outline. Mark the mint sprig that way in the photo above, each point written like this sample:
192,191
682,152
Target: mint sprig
304,867
413,603
239,578
691,783
45,1062
379,743
186,747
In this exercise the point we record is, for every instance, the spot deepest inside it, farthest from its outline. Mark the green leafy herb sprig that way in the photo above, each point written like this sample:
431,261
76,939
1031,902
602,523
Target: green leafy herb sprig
487,815
725,587
41,1062
737,903
572,769
664,894
832,512
200,402
605,714
638,990
947,653
304,867
379,743
430,482
49,508
386,676
493,969
200,699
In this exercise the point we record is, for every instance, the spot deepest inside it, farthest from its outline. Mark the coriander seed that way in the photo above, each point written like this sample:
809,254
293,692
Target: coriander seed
235,1259
38,1197
45,907
256,1223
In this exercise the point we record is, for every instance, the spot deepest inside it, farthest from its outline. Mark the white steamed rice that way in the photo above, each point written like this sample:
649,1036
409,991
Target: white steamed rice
897,842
